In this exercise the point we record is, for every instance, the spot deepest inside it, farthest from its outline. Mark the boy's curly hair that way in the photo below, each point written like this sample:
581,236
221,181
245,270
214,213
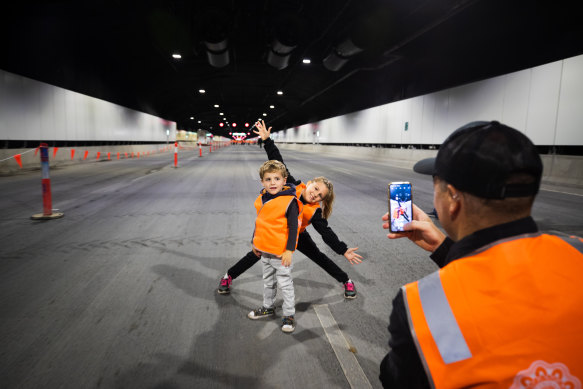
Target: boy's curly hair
272,166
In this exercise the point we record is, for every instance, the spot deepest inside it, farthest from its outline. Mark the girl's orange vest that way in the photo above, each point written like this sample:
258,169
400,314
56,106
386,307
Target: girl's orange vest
271,230
309,209
508,316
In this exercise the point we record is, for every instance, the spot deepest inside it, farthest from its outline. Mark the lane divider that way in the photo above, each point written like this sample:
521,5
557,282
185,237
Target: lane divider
48,212
175,154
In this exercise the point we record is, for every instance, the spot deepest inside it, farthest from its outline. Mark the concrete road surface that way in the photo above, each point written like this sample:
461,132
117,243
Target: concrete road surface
121,291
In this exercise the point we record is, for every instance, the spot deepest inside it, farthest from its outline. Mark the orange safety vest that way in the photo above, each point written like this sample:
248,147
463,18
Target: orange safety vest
309,209
510,315
271,230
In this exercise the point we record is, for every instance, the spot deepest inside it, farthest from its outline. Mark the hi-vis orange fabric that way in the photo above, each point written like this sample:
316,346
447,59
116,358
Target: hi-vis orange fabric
507,316
270,235
309,209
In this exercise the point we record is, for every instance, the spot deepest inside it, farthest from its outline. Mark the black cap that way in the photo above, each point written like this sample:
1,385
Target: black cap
479,157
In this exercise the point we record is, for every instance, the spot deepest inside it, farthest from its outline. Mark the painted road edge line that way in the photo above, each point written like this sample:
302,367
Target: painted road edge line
342,348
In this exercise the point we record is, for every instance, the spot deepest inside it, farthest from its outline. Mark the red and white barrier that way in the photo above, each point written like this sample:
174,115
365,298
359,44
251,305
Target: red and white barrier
175,154
46,185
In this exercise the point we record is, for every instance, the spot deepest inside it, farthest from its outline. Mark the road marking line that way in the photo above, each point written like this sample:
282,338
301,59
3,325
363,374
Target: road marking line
342,348
558,191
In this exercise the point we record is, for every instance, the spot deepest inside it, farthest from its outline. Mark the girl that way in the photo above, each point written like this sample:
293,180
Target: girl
311,194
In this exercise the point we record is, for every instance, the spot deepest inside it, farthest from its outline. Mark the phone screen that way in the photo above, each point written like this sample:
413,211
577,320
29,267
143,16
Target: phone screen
400,205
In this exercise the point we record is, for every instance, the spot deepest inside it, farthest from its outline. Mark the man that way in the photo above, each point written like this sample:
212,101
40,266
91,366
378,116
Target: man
505,310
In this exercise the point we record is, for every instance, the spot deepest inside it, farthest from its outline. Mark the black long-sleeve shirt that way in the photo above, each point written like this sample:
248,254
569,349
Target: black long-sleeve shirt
401,367
318,222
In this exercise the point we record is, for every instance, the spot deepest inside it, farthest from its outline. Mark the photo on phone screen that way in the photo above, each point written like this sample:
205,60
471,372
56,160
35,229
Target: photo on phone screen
400,205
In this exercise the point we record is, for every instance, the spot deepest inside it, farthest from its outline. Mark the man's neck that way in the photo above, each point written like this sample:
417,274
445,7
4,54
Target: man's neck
469,224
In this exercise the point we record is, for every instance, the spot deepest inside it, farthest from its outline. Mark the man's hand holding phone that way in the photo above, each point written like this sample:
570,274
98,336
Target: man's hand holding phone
420,230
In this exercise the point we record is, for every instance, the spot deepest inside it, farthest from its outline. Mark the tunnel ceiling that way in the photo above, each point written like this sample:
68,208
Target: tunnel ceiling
363,53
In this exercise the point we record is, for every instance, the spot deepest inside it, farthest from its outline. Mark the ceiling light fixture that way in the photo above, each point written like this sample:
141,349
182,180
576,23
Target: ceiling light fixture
279,54
306,60
176,56
280,92
216,106
218,53
215,26
286,37
272,106
264,114
201,91
340,54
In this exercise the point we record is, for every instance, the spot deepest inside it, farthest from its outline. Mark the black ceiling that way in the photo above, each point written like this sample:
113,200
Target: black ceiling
122,52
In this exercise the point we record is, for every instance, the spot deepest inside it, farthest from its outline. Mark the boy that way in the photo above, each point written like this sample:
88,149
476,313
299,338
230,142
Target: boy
274,239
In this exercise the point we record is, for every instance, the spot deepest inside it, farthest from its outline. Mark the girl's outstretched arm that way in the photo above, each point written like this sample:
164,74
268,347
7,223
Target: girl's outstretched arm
270,147
331,239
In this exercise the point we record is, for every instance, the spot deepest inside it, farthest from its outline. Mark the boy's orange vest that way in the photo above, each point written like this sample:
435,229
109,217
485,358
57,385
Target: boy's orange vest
507,316
271,230
309,209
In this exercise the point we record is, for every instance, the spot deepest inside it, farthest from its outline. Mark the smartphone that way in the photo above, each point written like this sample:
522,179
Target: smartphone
400,205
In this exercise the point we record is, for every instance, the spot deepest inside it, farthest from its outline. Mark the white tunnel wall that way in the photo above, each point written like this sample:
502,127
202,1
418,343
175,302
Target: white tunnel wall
544,102
33,110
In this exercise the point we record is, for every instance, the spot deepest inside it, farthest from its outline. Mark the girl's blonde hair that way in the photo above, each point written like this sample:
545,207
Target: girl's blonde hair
329,199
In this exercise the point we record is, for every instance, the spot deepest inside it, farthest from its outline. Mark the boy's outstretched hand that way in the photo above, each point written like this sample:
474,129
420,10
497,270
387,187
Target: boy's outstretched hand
420,231
261,130
286,258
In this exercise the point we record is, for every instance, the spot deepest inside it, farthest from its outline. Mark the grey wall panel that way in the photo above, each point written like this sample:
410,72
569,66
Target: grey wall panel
516,97
570,112
543,103
477,101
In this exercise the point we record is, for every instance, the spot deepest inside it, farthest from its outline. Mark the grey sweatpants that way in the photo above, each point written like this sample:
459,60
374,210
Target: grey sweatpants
275,274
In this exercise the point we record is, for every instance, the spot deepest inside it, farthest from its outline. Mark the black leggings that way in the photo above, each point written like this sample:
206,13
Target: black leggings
307,247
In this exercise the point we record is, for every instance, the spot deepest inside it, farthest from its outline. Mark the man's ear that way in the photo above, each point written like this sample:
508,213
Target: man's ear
454,198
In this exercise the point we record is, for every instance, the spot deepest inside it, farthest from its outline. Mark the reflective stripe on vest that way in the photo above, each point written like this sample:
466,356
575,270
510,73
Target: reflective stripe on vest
441,321
574,241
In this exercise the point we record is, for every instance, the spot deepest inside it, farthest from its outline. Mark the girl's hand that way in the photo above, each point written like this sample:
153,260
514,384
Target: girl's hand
261,130
256,252
286,258
420,231
352,256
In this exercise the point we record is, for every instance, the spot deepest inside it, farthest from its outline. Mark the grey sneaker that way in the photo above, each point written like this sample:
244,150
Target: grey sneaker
260,313
288,324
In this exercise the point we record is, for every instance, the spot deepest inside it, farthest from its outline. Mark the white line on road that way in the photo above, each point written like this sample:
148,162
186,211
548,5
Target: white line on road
342,348
560,191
